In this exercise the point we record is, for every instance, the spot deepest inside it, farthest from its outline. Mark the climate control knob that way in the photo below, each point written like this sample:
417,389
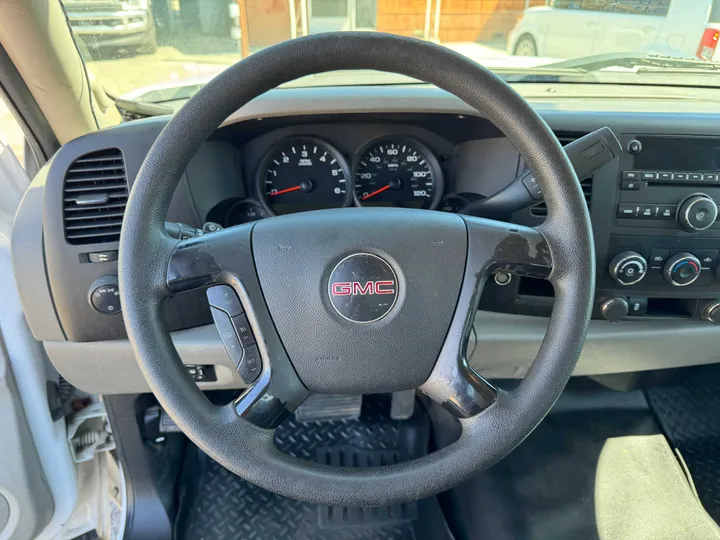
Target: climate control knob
682,269
628,268
697,212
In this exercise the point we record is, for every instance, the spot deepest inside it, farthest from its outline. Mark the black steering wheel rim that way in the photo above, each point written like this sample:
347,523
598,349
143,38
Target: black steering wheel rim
247,449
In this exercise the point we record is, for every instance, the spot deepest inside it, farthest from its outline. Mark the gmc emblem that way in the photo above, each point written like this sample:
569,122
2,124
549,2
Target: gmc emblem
346,288
363,288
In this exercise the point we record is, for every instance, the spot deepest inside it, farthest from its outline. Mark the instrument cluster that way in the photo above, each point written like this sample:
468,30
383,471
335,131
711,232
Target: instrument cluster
307,173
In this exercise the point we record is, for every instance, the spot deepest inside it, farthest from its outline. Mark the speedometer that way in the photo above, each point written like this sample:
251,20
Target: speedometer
303,173
397,172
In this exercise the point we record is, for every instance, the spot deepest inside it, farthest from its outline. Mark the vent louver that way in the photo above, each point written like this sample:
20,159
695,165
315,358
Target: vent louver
95,192
540,209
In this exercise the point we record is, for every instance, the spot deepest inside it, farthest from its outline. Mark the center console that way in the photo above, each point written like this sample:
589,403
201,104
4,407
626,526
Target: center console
657,235
664,239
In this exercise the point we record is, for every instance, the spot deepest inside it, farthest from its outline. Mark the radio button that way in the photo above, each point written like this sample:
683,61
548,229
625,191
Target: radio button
680,177
697,212
658,256
627,210
630,185
631,175
665,176
647,211
695,177
666,211
648,175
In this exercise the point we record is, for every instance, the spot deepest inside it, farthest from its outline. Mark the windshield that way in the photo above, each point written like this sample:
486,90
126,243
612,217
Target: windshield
164,50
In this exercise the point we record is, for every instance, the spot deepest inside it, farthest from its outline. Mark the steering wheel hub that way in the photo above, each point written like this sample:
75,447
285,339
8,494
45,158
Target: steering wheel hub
363,288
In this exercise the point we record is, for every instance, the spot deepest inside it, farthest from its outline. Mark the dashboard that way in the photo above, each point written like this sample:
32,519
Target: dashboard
653,208
405,160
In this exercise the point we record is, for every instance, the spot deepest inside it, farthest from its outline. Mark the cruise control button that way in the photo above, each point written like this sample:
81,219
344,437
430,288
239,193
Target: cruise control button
251,366
242,327
706,256
666,211
647,211
227,335
658,256
629,185
631,175
648,175
223,297
627,210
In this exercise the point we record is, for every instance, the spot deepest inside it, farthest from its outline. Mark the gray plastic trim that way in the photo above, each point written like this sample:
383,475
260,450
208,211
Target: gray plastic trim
505,346
109,367
30,369
28,260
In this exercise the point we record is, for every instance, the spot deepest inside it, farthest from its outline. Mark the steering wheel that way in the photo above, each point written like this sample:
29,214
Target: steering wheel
356,300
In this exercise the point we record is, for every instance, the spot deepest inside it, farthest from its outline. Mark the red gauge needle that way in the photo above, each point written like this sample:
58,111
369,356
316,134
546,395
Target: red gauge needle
288,190
375,192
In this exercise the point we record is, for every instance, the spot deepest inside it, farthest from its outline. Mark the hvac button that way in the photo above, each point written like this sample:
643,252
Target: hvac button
706,256
658,256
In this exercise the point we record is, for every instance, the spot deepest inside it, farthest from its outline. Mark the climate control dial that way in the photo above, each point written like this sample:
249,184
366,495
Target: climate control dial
682,269
628,268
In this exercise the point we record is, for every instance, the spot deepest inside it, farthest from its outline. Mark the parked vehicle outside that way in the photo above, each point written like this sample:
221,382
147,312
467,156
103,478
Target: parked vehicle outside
575,28
112,23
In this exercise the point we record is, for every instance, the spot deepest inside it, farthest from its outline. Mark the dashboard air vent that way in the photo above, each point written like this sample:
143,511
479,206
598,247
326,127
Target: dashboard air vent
540,209
94,196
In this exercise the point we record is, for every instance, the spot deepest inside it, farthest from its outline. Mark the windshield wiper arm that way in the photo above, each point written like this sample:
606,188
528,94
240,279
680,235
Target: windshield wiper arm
599,62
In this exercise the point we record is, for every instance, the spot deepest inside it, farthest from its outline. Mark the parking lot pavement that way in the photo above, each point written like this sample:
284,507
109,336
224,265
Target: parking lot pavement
167,64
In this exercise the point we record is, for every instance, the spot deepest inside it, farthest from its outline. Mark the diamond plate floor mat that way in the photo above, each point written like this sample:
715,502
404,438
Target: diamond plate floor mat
217,505
688,410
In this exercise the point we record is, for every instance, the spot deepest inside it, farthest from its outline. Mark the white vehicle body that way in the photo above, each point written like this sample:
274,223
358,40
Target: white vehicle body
576,28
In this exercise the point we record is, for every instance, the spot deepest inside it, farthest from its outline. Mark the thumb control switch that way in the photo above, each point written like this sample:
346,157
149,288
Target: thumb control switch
235,332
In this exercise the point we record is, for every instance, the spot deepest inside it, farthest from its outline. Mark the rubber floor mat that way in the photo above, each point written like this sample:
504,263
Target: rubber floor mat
688,410
217,505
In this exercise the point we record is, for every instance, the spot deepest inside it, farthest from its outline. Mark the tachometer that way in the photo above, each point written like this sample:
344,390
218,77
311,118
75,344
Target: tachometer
301,174
397,172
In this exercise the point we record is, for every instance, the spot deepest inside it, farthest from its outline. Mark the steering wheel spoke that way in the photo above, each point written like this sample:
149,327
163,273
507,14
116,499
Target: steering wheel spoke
223,260
492,246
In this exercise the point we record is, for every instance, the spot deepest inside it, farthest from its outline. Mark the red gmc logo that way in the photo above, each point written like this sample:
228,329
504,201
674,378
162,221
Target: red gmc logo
348,288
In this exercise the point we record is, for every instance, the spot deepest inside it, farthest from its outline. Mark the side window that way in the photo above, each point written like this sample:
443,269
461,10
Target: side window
641,7
567,4
597,5
12,138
